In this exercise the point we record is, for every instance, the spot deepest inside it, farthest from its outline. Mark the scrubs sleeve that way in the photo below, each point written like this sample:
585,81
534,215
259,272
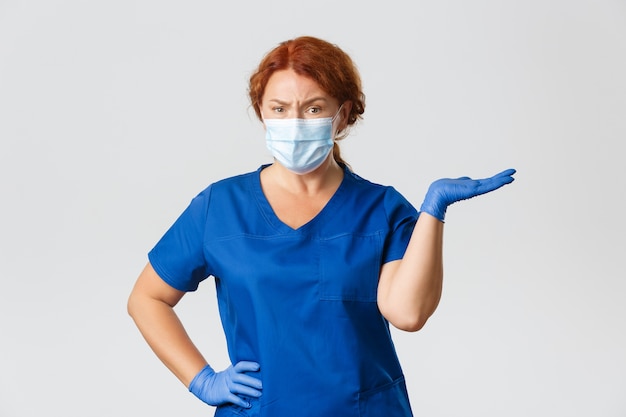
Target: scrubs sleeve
178,257
402,217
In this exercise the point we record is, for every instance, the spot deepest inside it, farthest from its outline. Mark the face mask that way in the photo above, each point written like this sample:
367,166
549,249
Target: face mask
300,145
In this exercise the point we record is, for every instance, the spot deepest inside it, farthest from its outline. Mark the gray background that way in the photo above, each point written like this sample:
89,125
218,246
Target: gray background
114,114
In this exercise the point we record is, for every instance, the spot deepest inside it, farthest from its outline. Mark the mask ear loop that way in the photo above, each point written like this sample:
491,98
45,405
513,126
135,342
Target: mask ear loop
333,122
337,114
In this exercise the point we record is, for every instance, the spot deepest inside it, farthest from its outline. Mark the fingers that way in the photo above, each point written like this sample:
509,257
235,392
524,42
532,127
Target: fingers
241,383
490,184
244,389
246,366
503,178
506,173
239,375
247,380
232,398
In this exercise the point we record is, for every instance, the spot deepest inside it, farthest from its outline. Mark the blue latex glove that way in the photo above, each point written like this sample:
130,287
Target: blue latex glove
446,191
215,388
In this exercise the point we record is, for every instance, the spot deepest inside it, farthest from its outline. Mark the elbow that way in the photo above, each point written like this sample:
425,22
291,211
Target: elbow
408,321
409,324
131,305
406,312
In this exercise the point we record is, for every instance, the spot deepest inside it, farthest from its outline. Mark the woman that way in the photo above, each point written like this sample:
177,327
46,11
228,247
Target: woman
311,262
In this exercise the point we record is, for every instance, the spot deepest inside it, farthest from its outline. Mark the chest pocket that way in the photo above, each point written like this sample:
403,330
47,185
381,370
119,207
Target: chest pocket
350,267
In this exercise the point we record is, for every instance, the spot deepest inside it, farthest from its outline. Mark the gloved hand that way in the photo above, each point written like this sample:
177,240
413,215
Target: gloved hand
446,191
226,386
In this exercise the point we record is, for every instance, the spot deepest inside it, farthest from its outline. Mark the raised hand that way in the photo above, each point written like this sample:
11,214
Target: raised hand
446,191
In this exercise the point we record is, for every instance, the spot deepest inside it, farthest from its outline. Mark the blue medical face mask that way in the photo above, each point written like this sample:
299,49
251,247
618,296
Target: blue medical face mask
300,145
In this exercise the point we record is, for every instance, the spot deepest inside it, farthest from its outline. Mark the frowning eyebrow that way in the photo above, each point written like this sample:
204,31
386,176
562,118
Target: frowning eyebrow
309,101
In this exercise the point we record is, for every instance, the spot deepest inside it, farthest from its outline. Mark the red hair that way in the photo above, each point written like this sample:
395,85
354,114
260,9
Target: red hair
325,63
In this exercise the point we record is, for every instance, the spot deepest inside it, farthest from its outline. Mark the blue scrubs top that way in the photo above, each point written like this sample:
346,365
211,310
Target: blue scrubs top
301,303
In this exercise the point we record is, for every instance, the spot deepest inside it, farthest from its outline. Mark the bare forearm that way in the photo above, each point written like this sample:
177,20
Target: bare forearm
410,290
167,337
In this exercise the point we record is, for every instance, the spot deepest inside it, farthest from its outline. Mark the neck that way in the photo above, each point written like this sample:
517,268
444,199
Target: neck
327,175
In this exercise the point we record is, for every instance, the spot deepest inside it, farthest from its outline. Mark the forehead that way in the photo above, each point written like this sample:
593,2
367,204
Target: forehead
288,85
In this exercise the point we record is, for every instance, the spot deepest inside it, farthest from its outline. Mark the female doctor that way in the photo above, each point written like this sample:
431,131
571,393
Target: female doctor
311,262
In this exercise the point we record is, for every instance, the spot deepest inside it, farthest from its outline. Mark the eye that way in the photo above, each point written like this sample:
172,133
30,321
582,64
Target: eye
278,109
315,110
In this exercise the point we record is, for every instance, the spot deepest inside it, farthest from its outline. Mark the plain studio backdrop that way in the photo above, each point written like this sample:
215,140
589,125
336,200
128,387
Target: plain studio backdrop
114,114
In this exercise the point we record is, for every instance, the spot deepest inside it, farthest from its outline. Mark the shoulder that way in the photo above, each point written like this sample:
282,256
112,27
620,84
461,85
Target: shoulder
231,184
389,200
223,193
360,184
235,180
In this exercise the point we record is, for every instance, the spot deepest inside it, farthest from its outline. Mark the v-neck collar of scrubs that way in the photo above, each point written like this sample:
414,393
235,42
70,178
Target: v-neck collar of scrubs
279,225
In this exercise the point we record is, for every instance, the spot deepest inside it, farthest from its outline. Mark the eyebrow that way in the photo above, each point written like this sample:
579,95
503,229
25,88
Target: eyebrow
312,100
